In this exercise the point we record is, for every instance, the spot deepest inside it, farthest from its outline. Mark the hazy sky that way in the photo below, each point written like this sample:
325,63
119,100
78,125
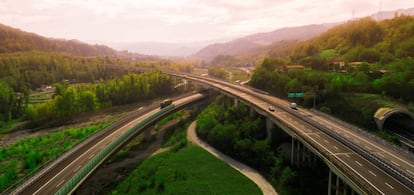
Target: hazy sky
177,20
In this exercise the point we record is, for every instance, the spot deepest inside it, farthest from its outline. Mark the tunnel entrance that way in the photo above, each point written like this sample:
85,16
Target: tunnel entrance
399,123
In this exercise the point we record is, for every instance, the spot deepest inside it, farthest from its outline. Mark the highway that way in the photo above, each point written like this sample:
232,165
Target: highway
307,126
53,180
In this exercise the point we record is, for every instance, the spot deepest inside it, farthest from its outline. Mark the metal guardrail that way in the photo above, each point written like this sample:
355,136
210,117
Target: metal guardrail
99,158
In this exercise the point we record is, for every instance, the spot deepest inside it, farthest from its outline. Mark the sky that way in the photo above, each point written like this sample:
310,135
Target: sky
177,21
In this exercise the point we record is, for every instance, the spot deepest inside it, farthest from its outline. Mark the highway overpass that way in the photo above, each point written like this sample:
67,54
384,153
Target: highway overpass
66,173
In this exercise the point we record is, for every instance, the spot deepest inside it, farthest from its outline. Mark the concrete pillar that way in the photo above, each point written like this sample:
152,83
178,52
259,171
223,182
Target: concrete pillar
298,154
304,149
330,183
147,134
292,152
252,113
337,186
236,102
269,127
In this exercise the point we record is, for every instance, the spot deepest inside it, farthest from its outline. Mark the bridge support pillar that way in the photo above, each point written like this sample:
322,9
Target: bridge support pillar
301,156
252,113
338,186
147,134
269,127
236,102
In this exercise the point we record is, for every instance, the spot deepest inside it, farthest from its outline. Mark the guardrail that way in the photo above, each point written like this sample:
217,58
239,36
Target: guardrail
23,183
99,158
396,173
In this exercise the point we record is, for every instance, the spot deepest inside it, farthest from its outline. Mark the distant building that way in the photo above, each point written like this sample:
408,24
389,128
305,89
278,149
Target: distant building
337,65
286,68
353,64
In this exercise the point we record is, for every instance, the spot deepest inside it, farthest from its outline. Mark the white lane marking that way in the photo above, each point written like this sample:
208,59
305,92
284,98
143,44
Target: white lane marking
367,147
358,163
91,156
336,148
317,135
410,172
140,108
77,168
353,134
395,163
350,167
326,141
60,183
372,173
347,155
381,155
390,186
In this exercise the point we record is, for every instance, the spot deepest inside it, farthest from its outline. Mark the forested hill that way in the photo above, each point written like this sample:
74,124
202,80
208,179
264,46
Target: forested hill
363,40
15,40
254,42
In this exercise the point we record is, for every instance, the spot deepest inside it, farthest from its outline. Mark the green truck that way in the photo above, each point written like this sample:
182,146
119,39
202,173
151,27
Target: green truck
165,103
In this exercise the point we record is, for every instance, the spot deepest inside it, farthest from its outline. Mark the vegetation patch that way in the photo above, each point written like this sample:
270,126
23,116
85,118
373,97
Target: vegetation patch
175,115
26,155
328,53
190,170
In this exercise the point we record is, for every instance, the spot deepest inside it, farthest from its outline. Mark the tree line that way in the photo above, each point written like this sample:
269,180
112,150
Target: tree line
229,129
70,100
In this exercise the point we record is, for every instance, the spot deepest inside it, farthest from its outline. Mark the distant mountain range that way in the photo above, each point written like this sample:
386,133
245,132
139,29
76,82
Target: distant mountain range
159,48
209,49
15,40
259,41
255,41
390,14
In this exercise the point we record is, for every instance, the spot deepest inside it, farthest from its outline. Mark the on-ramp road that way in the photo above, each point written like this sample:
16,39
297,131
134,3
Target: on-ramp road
242,168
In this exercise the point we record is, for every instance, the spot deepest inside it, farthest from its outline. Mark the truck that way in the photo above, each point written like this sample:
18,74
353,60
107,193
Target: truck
165,103
293,105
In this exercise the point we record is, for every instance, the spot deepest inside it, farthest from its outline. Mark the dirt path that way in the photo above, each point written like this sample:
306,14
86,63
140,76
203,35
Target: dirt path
242,168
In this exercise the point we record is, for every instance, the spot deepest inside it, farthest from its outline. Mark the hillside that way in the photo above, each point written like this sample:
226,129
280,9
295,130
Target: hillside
257,41
351,68
15,40
365,40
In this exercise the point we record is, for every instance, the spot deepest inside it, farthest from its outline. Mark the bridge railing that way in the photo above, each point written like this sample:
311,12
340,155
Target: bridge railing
107,151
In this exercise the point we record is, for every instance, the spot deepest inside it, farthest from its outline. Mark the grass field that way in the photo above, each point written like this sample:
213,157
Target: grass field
26,155
190,170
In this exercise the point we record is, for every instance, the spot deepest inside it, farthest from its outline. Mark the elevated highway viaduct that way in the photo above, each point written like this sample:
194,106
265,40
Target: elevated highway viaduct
367,166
